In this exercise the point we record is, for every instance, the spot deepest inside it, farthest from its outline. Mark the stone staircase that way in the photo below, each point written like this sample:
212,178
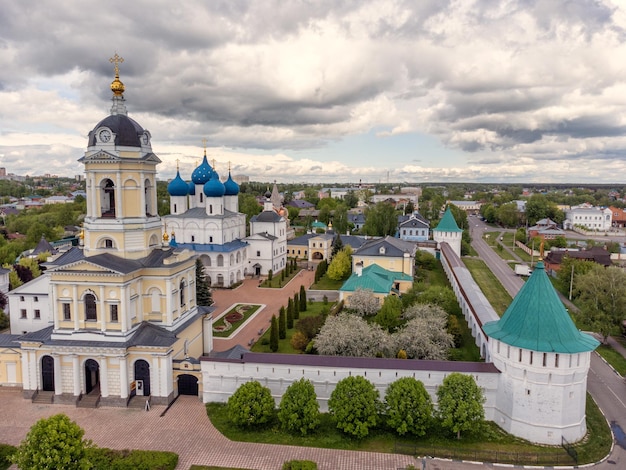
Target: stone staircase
43,397
138,402
91,400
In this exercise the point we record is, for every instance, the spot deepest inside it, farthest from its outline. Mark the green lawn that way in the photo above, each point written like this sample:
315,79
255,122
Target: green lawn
497,296
277,282
284,345
325,283
236,324
617,361
487,441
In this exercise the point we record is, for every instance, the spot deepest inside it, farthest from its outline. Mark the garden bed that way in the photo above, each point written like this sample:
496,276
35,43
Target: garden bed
227,324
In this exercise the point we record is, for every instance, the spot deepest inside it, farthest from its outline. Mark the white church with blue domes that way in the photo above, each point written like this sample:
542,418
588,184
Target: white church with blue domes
205,218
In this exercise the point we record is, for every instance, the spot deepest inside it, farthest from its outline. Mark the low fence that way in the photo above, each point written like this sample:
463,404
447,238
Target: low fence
318,295
490,456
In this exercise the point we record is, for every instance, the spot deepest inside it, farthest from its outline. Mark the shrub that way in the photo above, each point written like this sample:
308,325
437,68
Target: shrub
300,465
299,341
6,451
408,407
355,405
299,410
310,326
53,443
252,404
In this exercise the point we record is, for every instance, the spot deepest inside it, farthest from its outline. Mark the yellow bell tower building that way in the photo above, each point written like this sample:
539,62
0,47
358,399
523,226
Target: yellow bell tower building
120,175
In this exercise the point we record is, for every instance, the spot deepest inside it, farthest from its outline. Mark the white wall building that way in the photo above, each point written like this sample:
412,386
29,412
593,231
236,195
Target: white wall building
589,217
29,306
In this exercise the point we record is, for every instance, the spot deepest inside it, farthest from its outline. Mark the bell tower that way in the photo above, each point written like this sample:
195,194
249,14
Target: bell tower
120,175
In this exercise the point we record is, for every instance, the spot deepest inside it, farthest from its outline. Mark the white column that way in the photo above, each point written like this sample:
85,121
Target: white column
123,377
168,301
76,370
140,300
118,197
124,312
75,307
92,196
166,373
53,306
155,377
142,196
27,384
33,370
58,379
103,312
104,377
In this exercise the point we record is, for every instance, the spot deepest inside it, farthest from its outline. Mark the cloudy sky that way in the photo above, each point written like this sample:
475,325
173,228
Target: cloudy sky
325,91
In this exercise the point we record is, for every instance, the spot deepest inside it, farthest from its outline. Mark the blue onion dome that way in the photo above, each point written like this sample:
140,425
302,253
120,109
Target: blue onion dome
232,188
214,187
177,186
202,174
192,188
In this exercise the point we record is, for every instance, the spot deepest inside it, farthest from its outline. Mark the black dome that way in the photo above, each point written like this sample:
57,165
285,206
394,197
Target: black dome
128,132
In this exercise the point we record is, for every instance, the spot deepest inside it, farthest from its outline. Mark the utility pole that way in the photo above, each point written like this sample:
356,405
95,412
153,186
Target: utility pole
571,282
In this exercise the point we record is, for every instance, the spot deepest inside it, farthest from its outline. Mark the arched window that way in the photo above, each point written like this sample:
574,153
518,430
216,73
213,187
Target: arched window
108,198
108,243
90,308
182,292
220,260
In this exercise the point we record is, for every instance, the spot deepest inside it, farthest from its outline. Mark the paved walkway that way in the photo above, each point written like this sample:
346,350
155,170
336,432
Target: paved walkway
186,430
250,292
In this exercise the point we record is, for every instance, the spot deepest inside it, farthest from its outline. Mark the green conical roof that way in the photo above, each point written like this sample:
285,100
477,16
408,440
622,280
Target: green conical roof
447,223
537,320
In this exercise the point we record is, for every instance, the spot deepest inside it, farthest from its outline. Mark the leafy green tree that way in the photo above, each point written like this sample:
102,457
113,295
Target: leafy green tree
299,411
380,220
324,215
203,291
340,219
282,323
355,406
441,296
53,443
270,274
389,315
507,214
274,334
408,407
569,271
602,295
249,205
460,403
341,265
251,405
303,305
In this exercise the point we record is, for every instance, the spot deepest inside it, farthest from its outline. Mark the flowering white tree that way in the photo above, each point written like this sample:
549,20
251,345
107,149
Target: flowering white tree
350,335
424,336
363,302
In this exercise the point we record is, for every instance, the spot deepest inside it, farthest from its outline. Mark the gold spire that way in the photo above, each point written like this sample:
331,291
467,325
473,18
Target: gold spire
177,160
541,250
214,163
117,87
204,141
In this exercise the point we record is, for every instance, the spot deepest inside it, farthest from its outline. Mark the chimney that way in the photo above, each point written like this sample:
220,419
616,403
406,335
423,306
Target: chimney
358,268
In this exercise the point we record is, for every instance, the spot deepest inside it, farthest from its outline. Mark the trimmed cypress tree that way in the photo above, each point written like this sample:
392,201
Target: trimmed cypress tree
282,323
296,306
290,314
203,291
302,299
274,334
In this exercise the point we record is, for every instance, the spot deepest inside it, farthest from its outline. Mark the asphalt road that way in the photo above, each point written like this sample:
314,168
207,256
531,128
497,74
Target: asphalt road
606,387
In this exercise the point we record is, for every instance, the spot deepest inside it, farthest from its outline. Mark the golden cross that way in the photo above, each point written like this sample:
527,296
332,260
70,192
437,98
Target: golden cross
177,160
228,166
117,60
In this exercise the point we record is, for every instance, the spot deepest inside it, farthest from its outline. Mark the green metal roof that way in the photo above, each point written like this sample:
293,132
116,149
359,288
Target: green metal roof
375,278
537,320
447,223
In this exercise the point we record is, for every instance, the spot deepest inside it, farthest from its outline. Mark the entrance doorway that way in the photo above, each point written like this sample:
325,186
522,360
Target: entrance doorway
92,375
47,374
142,372
187,385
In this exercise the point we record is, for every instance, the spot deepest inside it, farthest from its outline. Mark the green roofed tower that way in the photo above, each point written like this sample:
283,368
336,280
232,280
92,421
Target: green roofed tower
537,320
449,232
544,361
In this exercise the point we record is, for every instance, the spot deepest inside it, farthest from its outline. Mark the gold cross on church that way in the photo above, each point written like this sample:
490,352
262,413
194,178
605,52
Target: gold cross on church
117,60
